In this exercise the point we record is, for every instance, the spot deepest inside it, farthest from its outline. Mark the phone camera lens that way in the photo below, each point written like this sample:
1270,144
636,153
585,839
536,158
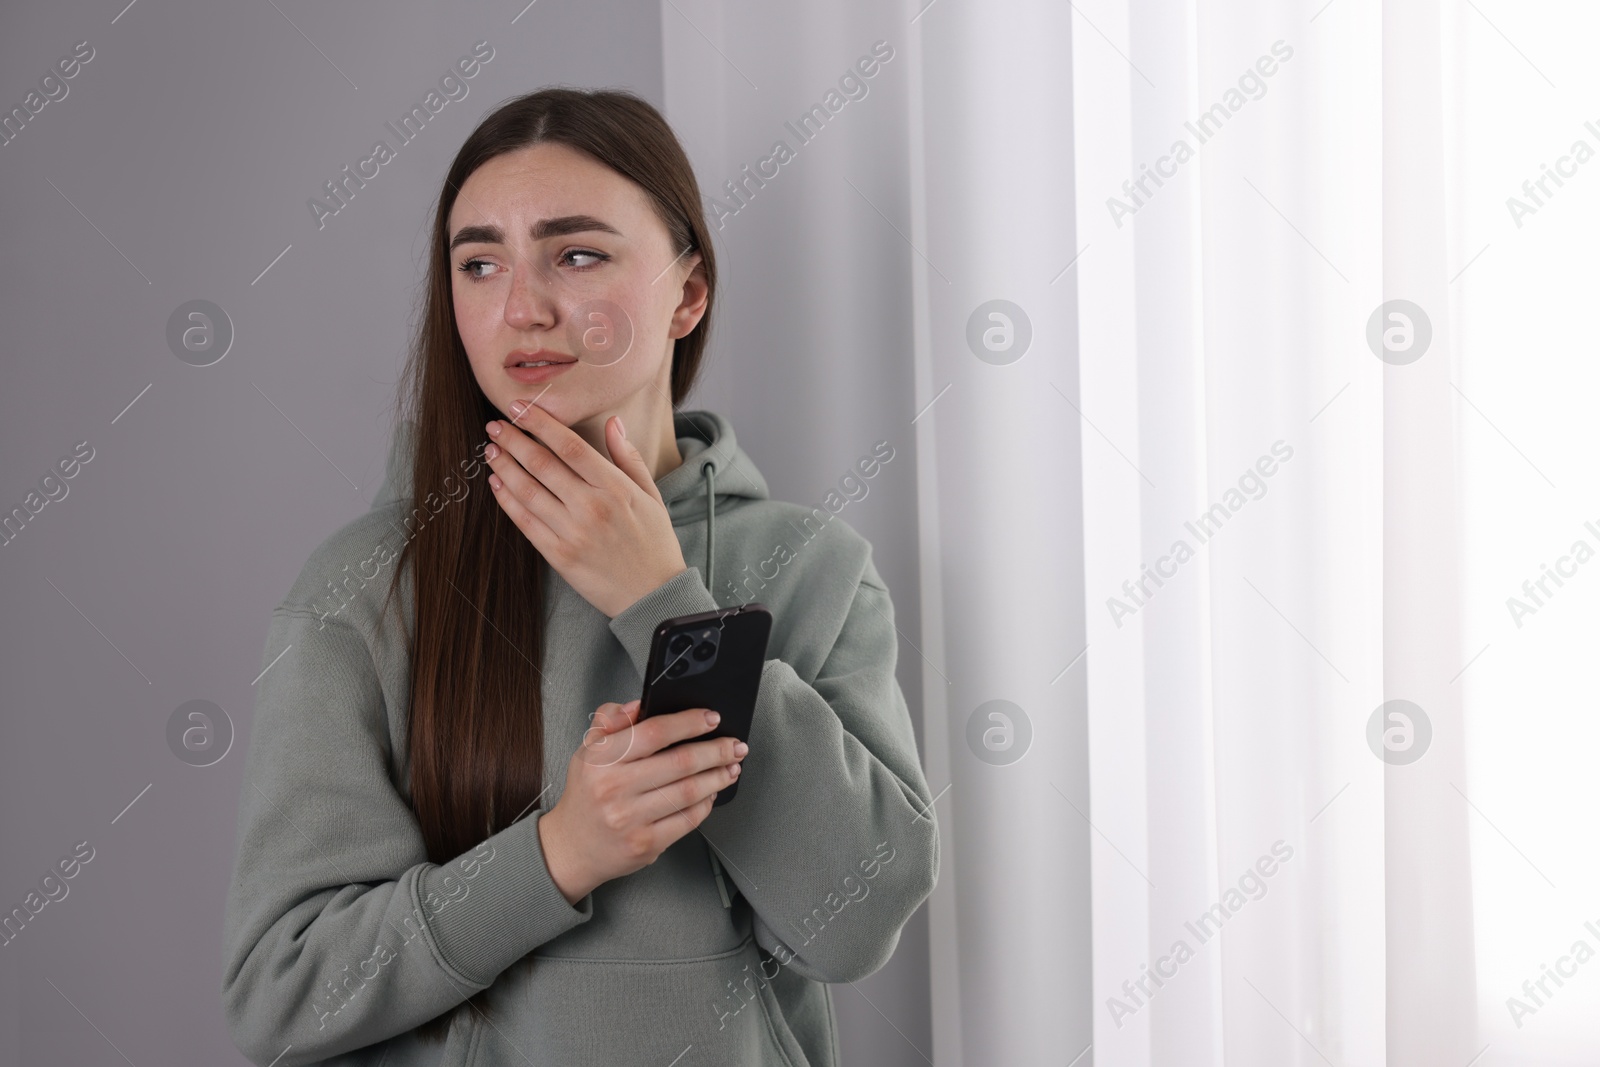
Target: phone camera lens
677,669
679,645
704,651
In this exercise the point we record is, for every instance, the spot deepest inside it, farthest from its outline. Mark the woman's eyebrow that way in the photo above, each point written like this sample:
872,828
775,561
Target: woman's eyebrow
557,227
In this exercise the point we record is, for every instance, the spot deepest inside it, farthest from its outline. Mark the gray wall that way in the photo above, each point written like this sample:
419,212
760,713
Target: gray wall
178,167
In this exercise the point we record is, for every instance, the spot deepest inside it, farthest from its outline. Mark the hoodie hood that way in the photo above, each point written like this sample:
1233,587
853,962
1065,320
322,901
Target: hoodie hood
714,471
706,439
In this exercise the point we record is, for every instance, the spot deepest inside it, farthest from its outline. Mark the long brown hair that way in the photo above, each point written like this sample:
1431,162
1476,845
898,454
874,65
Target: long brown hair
476,711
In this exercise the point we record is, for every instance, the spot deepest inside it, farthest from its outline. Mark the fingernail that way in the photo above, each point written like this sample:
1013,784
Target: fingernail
518,407
622,431
712,718
734,769
740,749
494,429
492,451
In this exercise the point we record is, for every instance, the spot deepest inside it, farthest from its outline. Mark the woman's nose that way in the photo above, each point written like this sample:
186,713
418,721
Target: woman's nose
530,302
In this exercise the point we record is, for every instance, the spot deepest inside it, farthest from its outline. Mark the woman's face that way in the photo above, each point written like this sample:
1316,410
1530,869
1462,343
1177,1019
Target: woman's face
554,256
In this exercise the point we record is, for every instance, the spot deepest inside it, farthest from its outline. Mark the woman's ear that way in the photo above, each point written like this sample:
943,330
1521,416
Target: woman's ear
692,308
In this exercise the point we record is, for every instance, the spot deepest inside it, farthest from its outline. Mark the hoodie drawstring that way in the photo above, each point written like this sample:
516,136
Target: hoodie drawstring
709,470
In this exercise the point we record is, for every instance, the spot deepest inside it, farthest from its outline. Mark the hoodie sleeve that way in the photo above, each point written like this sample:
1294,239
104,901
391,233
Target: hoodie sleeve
338,931
832,836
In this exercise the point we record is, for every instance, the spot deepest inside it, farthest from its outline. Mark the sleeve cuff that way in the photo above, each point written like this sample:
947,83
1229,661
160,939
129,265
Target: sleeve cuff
685,593
511,905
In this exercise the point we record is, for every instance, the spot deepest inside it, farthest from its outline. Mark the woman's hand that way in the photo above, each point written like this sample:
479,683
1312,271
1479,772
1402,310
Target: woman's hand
600,523
626,800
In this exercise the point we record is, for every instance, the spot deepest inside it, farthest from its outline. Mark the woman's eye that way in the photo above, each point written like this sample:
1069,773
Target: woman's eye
585,260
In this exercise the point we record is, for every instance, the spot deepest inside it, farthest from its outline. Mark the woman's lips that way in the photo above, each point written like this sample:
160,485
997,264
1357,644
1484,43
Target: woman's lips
538,374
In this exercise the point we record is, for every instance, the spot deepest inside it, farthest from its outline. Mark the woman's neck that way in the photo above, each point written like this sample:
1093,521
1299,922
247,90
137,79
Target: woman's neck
649,427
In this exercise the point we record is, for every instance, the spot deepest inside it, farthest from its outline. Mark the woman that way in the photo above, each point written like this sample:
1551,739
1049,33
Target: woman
457,842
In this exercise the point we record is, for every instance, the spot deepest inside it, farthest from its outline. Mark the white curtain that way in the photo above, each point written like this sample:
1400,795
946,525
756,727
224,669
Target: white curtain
1221,325
1231,460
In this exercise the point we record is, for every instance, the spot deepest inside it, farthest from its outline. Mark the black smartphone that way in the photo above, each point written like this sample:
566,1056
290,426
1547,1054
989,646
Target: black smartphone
710,660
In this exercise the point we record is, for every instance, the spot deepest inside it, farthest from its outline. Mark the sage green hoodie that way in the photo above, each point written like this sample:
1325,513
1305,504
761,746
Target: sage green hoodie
341,937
